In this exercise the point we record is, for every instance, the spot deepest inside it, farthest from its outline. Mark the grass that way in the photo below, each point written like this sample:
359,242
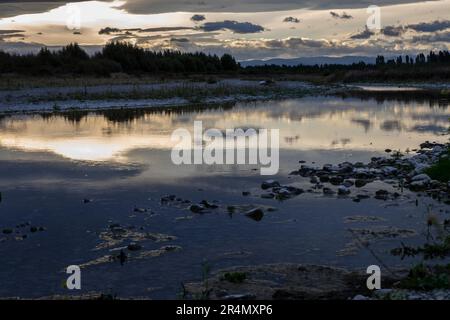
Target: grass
441,170
423,277
235,277
193,93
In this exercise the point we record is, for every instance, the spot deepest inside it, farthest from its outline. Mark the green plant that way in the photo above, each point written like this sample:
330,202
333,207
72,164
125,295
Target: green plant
441,170
234,277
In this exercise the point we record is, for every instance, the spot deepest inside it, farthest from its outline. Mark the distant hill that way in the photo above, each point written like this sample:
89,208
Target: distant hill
308,61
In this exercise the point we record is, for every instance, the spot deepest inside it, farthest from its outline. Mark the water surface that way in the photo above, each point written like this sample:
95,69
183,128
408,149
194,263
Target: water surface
121,160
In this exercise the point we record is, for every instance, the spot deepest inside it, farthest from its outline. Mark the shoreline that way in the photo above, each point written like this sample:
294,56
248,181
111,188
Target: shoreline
184,93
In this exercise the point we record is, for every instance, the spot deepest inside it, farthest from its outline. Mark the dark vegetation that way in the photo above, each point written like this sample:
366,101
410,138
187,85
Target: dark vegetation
129,59
114,58
402,68
431,275
441,170
234,277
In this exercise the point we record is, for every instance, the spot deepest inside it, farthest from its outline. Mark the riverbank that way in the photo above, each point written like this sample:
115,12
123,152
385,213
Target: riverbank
139,93
160,94
314,282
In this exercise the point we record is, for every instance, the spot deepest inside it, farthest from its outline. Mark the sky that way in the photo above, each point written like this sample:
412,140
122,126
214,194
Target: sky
251,29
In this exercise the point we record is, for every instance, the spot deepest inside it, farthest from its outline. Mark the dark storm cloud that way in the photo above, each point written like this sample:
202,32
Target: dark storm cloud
6,32
236,27
161,6
393,31
179,40
366,34
109,30
11,34
198,17
343,15
390,31
11,8
430,26
431,38
291,19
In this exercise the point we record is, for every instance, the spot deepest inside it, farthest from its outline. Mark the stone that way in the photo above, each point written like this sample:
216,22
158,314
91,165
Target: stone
269,184
328,191
359,183
196,208
314,179
348,183
208,205
421,177
256,214
381,194
134,246
343,190
7,231
337,180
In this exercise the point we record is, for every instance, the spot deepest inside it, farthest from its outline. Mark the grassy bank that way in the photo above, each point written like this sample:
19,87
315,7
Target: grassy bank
441,170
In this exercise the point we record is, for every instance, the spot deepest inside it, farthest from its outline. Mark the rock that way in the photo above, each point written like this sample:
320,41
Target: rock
421,177
343,190
345,167
362,196
7,231
360,297
324,178
348,183
426,145
388,170
337,180
243,296
381,194
420,167
382,293
388,150
267,196
418,185
256,214
208,205
168,198
269,184
134,246
328,191
314,179
196,208
359,183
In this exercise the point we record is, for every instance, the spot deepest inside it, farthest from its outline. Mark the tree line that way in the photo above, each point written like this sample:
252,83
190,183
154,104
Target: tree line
114,58
119,57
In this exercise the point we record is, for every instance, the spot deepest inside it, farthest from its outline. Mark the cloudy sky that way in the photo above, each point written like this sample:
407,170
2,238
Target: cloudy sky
251,29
